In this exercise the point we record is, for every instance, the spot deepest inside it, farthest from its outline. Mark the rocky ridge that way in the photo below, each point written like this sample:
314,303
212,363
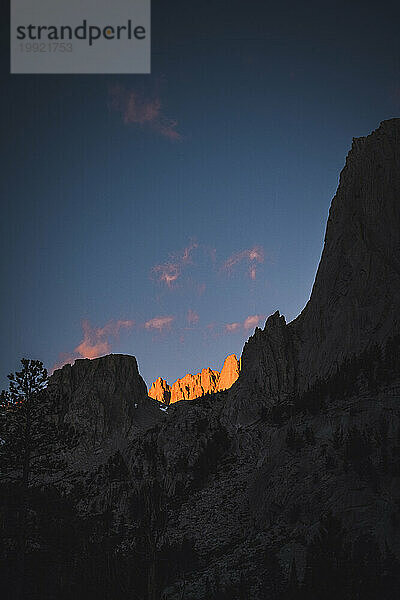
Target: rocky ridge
194,386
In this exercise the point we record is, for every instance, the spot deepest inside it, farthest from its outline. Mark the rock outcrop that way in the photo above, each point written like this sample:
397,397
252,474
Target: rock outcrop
268,360
103,399
230,372
160,390
194,386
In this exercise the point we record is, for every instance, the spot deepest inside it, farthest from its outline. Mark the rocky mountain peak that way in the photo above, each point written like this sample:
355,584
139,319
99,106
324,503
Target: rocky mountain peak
354,300
105,398
354,297
160,390
194,386
229,373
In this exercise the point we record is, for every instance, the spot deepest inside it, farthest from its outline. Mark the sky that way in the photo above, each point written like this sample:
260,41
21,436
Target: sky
167,215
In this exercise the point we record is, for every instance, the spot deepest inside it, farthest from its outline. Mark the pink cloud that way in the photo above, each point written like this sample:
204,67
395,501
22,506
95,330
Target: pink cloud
95,341
256,253
231,327
159,323
167,128
170,271
212,252
252,256
64,358
192,317
252,321
113,328
167,273
146,111
187,252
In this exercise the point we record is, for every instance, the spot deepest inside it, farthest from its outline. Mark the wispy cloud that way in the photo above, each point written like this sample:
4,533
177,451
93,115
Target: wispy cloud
137,108
167,273
170,271
187,253
96,341
252,321
249,322
251,256
159,323
192,317
232,327
112,328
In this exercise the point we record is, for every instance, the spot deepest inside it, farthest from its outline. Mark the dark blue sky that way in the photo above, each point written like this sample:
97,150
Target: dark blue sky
191,199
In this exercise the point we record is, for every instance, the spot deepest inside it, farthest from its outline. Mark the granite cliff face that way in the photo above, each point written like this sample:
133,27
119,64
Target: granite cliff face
104,399
354,300
355,295
194,386
160,390
230,372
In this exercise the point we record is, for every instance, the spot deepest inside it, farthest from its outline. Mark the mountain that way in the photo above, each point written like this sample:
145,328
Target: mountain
104,399
284,486
355,296
354,300
194,386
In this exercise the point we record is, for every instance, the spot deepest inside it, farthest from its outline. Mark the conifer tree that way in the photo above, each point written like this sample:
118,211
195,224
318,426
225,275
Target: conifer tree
26,427
27,433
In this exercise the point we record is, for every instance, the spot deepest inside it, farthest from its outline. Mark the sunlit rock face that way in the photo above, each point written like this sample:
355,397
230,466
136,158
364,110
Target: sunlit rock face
160,390
194,386
230,372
